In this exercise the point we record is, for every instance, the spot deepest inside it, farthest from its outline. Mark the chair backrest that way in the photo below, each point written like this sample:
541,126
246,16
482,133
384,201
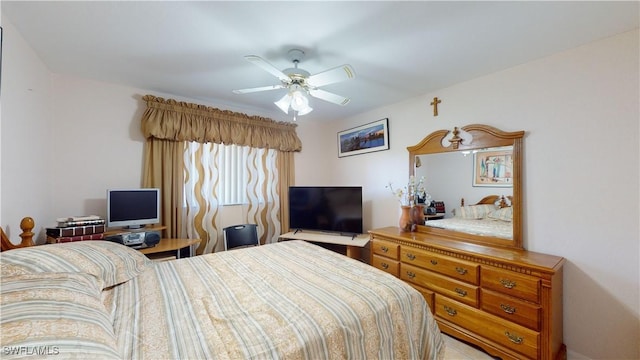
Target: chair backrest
240,235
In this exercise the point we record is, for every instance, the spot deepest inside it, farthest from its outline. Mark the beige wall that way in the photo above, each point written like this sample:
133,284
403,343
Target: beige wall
83,138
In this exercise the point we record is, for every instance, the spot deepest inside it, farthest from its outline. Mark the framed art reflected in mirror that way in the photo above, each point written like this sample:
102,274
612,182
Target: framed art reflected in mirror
493,168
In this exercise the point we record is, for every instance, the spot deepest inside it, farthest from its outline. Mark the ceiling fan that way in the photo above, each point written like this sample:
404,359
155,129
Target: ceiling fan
300,82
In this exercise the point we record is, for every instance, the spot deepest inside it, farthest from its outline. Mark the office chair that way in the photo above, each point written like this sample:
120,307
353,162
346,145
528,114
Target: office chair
243,235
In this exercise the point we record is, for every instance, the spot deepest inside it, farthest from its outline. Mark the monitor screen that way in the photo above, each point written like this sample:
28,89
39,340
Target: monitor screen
133,208
326,208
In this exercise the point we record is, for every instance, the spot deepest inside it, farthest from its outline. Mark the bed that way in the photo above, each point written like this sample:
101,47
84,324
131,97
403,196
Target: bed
290,300
491,216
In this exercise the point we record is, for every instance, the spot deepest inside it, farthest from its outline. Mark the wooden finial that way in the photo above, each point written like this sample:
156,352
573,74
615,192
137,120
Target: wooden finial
435,103
455,140
27,224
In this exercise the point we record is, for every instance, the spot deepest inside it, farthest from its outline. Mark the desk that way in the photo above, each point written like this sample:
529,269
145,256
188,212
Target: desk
354,245
170,247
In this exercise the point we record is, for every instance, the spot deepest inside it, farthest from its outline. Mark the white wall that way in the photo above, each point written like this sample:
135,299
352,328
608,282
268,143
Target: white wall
65,141
26,140
579,108
580,111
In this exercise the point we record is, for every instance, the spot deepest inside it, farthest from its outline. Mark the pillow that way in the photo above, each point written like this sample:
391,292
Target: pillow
504,214
474,211
110,262
55,314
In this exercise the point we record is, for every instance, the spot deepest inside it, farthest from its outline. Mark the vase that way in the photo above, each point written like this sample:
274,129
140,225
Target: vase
417,214
405,218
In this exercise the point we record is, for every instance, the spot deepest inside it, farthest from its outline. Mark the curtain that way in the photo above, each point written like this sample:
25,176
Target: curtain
168,125
209,169
181,121
163,169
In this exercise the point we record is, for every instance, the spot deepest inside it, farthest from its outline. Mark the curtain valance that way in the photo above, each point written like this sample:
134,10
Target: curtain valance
173,120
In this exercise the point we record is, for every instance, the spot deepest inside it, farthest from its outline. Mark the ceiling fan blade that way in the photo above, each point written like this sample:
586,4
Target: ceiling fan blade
268,67
337,74
330,97
262,88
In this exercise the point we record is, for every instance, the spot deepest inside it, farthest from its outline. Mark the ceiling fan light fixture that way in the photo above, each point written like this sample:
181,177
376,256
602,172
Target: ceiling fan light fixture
299,101
305,111
284,103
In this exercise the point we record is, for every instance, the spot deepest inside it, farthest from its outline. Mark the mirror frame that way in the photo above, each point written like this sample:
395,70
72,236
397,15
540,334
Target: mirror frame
484,136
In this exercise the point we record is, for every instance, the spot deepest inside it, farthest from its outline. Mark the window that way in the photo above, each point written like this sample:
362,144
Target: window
228,174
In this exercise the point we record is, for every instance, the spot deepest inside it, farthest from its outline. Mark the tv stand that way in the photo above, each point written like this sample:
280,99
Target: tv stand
354,245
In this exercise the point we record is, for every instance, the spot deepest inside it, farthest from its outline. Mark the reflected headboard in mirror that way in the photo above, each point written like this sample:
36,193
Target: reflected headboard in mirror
476,171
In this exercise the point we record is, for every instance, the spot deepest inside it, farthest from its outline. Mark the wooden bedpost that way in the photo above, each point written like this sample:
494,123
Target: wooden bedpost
27,224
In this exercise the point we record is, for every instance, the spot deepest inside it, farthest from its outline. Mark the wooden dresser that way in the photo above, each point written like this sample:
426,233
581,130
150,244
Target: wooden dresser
507,301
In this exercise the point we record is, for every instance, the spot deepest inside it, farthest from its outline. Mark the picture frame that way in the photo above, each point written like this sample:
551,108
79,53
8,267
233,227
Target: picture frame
364,139
493,168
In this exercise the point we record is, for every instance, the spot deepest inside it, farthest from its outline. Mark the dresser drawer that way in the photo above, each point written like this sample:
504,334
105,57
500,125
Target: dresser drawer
511,283
385,248
506,307
386,264
459,269
441,284
427,294
502,332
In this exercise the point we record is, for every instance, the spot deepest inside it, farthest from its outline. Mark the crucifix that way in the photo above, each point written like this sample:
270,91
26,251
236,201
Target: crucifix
435,103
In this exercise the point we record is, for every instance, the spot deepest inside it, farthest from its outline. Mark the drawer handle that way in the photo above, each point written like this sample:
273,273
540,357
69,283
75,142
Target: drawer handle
450,311
461,271
411,274
461,292
514,338
508,283
434,262
508,309
411,256
384,249
385,266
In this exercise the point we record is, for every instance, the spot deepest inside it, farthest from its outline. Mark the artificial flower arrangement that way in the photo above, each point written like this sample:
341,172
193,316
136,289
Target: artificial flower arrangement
411,194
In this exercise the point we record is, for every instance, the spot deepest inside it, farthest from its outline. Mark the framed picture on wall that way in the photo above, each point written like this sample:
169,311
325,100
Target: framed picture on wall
364,139
493,168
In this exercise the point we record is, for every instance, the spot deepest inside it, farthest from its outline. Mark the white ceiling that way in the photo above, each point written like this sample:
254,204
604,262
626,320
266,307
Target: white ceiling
398,49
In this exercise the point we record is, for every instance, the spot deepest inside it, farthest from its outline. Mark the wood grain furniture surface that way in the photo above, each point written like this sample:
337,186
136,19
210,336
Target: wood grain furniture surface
507,301
354,245
170,245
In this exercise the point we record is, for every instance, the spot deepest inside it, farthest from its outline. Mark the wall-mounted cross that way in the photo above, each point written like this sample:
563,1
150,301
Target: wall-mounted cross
435,103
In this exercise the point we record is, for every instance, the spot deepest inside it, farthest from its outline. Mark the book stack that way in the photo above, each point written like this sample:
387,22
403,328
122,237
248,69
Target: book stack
77,228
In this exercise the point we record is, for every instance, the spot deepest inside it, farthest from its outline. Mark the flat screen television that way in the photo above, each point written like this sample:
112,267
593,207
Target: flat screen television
133,208
326,208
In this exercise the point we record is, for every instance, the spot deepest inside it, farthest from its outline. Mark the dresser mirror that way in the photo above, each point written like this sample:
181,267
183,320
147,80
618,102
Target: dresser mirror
476,172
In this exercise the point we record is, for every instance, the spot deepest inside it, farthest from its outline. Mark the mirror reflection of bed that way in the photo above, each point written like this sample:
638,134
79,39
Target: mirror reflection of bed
491,216
448,177
472,162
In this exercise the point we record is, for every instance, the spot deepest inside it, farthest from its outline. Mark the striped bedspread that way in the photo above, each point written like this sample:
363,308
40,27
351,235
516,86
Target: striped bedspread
290,300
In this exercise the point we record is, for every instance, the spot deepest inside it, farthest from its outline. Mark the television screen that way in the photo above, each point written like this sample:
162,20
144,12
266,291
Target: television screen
322,208
133,208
